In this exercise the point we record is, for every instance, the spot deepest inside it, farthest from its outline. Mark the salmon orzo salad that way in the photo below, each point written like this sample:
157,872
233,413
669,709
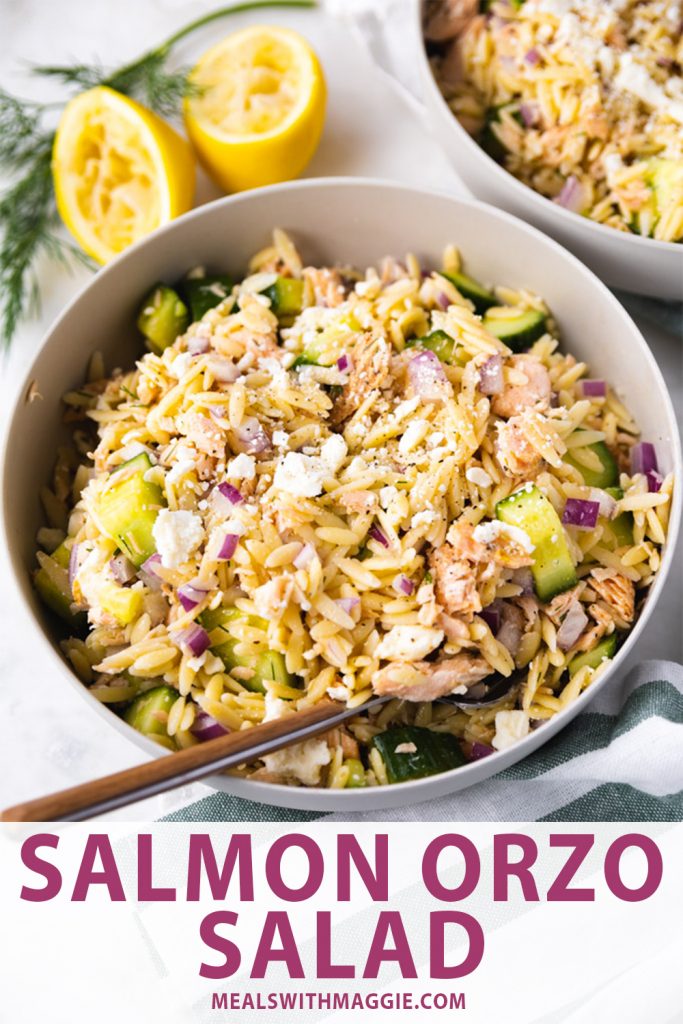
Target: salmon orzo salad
582,100
323,483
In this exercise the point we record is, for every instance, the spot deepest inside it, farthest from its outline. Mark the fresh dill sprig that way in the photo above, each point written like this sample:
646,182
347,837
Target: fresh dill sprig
29,221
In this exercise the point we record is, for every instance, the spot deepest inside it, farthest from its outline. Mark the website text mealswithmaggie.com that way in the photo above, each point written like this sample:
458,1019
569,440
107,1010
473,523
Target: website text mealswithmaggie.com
338,1001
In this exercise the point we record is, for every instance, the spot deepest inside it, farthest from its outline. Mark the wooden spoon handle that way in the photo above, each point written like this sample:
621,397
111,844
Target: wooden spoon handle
161,774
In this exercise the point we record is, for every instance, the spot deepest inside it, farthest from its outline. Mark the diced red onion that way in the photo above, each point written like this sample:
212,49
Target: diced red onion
571,196
654,481
205,727
376,533
532,56
491,616
122,569
218,412
573,625
491,376
427,376
194,639
305,556
529,114
148,572
664,62
443,300
224,370
593,388
608,505
403,585
231,493
191,595
347,604
479,750
251,437
228,547
643,458
581,513
198,344
524,578
344,363
73,565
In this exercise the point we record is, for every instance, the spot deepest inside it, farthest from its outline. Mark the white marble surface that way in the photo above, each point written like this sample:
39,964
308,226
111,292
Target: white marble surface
49,738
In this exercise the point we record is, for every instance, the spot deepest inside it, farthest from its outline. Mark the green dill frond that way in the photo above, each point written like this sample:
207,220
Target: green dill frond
21,132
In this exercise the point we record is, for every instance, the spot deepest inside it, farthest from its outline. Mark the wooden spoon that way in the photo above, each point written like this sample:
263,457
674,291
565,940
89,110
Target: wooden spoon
164,773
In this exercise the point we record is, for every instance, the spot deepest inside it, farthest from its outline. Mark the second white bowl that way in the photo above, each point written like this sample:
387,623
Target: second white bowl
625,261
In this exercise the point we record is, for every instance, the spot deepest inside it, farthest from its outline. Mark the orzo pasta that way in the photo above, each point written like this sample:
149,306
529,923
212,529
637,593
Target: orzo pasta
580,99
324,483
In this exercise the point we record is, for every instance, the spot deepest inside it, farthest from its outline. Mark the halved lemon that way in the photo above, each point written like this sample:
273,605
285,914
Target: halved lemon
119,171
259,107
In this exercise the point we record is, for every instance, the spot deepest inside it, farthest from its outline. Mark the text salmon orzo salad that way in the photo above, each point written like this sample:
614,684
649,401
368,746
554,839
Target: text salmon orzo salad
580,99
322,483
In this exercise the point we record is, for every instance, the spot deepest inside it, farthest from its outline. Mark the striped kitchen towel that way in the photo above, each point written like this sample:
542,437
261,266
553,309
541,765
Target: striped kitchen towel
620,760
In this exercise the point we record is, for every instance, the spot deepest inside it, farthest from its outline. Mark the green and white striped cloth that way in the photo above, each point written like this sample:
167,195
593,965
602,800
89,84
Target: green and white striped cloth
620,760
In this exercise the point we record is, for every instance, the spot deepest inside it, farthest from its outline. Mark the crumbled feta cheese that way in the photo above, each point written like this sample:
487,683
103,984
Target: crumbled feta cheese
339,693
424,518
304,475
303,761
179,366
489,532
406,748
275,708
272,598
408,643
387,496
333,452
179,469
414,433
478,476
435,439
176,535
280,438
511,726
300,475
242,467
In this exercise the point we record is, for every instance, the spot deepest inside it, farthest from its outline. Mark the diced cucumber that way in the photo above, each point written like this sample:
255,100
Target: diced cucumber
440,343
149,712
127,510
123,603
62,554
286,296
606,476
665,177
622,526
552,568
163,316
204,293
519,329
472,290
330,343
435,752
269,665
356,779
607,648
317,352
51,581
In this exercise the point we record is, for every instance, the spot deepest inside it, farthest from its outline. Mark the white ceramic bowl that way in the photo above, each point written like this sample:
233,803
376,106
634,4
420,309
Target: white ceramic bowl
625,261
335,220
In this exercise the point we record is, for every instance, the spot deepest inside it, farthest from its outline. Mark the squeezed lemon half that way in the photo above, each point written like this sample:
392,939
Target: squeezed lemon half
119,172
258,108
